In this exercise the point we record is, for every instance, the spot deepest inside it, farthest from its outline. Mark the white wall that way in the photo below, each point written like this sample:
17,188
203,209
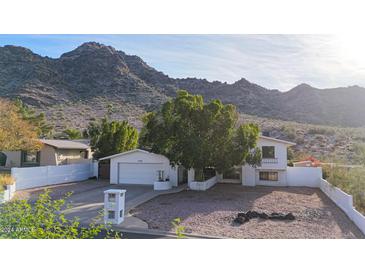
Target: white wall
31,177
137,157
205,185
343,201
248,176
304,176
280,154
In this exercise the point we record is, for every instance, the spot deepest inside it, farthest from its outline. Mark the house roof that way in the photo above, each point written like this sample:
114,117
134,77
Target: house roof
277,140
128,152
64,144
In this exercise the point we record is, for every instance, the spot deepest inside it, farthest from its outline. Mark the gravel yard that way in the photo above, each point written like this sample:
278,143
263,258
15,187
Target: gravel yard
212,213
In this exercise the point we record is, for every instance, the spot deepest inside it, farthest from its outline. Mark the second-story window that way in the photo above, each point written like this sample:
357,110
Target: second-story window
268,152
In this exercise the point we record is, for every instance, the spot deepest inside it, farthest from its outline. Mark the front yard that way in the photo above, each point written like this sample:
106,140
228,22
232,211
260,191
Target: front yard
212,213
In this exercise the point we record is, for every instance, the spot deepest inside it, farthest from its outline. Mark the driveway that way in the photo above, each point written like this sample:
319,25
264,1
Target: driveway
87,199
212,213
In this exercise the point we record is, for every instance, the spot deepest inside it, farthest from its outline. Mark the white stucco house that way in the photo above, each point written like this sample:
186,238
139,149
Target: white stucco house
142,167
274,164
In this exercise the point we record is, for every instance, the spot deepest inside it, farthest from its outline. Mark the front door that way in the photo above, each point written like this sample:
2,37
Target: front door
182,175
104,169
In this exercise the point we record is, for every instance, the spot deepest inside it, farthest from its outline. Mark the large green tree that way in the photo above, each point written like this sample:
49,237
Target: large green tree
111,137
198,135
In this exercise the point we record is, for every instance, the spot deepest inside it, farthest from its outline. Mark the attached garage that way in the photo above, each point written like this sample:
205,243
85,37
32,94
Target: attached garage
140,167
138,173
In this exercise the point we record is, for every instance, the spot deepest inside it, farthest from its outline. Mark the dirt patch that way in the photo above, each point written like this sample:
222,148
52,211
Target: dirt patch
212,213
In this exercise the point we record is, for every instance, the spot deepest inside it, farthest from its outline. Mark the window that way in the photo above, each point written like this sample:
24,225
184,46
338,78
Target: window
268,176
30,158
111,214
111,197
268,152
121,213
161,176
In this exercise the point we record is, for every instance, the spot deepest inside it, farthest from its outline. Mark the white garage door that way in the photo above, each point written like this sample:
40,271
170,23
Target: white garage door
138,173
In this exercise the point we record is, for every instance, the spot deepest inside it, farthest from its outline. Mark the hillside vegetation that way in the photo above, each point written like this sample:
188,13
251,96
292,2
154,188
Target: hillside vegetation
95,80
94,72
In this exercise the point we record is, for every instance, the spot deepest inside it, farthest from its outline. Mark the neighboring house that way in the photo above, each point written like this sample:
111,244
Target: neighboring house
142,167
53,152
308,162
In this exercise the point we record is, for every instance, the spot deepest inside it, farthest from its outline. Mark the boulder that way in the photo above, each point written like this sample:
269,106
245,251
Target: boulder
243,217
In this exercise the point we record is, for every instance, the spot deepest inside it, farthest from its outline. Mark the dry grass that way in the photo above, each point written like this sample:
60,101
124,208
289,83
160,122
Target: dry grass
350,181
6,179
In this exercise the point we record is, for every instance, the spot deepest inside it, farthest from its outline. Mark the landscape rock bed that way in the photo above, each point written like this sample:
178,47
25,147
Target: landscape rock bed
243,217
212,213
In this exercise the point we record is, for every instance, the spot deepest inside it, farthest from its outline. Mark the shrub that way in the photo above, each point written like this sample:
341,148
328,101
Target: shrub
350,181
321,130
290,132
43,219
359,150
6,179
179,229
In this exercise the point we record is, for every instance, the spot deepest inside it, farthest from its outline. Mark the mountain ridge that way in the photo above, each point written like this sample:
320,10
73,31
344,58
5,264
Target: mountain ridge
94,70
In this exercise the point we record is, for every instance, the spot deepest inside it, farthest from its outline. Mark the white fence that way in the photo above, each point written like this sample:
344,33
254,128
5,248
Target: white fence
343,201
304,176
32,177
202,186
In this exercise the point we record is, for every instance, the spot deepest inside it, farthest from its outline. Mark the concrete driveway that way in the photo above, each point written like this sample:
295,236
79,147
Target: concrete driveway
87,199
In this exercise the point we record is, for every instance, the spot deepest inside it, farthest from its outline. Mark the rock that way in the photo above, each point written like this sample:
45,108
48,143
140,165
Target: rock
243,217
263,216
290,216
252,214
241,220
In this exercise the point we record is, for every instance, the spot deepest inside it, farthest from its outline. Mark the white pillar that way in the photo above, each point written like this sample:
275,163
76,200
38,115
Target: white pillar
114,206
173,176
191,175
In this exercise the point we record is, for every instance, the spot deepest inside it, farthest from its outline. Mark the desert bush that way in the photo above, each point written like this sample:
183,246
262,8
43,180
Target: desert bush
289,131
351,181
321,130
6,179
359,150
179,229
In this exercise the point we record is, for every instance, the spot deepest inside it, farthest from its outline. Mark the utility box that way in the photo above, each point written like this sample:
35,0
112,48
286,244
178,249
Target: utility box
114,206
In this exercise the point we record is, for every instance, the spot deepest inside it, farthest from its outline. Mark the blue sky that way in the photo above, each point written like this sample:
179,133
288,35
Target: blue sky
273,61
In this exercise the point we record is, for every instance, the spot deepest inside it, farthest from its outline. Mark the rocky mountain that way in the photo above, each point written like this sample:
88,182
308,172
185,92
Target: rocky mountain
93,79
